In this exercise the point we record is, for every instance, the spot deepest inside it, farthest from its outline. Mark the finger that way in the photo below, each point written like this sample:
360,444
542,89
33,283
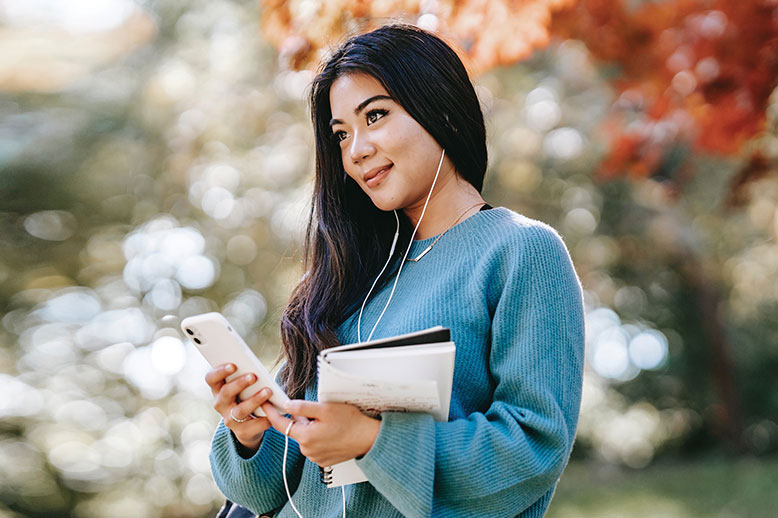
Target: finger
278,421
300,407
225,399
239,413
219,372
248,432
254,402
245,410
215,377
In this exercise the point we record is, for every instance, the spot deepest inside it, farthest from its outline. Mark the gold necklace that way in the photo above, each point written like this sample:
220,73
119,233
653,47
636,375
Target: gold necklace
414,259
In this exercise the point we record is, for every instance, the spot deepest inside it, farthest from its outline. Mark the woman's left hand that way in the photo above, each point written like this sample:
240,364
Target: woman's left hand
328,433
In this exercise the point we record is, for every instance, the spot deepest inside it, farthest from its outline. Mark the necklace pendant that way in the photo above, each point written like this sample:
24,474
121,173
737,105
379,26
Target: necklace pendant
414,259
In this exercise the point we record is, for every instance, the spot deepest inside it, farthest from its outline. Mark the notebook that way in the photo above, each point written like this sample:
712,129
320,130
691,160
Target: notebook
405,373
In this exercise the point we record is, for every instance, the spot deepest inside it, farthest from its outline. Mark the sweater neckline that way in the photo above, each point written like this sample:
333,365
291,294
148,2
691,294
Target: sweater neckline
420,244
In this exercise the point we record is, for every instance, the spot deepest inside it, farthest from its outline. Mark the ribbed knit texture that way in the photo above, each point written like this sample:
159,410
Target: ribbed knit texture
505,286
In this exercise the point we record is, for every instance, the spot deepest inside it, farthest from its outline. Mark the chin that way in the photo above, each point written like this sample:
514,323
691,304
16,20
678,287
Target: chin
385,205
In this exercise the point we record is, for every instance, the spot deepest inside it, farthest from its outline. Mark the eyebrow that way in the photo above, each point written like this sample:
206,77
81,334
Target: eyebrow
362,107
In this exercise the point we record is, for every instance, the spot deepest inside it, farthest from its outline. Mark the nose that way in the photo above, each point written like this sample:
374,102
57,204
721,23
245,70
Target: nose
361,148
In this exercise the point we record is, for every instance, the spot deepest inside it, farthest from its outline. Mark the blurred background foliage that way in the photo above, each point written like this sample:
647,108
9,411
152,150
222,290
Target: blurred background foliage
156,162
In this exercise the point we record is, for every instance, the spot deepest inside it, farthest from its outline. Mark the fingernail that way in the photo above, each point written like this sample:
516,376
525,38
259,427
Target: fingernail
249,377
266,392
230,368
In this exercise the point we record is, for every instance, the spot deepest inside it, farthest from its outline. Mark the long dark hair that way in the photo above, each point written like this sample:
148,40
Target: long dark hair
348,238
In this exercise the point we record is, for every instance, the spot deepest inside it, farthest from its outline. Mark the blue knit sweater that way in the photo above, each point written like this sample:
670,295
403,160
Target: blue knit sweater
505,286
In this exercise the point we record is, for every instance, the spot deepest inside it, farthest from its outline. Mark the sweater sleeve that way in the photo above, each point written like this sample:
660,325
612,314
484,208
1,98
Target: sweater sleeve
499,462
256,482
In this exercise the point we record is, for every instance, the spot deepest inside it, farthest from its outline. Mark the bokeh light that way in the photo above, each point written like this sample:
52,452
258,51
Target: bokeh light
51,225
620,351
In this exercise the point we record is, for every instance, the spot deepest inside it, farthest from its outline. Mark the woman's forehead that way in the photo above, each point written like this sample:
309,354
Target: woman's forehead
350,90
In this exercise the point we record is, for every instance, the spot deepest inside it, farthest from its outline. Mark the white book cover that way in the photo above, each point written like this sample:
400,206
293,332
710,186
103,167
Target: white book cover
406,373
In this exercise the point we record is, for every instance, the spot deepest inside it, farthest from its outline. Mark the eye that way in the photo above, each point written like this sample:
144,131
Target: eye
374,115
339,135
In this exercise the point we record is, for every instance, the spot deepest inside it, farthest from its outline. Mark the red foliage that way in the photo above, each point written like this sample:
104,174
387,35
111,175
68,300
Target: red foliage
699,71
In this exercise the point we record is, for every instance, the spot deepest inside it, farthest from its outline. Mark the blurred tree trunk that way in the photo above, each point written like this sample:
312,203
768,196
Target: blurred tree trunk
728,412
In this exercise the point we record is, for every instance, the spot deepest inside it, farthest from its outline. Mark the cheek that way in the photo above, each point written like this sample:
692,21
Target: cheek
354,175
405,136
418,144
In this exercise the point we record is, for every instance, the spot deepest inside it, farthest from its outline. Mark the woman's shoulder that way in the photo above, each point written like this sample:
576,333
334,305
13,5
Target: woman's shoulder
512,249
503,228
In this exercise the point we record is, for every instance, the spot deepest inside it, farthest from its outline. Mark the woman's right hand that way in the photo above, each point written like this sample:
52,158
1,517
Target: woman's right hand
250,432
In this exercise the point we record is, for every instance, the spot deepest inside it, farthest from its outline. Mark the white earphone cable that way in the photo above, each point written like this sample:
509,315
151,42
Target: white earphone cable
388,259
286,483
397,277
283,471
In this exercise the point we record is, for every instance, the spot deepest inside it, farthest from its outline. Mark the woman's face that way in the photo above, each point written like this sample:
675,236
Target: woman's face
383,148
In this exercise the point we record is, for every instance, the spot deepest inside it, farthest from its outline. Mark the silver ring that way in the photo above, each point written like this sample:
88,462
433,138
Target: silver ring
235,418
288,428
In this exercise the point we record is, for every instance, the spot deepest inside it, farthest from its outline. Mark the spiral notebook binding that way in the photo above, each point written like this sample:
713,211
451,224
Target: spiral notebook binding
325,475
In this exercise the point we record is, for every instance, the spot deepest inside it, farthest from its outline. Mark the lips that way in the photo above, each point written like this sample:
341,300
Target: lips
375,175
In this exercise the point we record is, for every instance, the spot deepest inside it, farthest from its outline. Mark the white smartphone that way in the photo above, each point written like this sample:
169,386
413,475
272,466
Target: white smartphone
218,342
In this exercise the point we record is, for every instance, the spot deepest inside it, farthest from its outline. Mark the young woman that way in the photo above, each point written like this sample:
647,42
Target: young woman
400,143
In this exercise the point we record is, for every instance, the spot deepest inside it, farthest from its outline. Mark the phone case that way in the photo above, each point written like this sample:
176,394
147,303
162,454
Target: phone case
218,342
